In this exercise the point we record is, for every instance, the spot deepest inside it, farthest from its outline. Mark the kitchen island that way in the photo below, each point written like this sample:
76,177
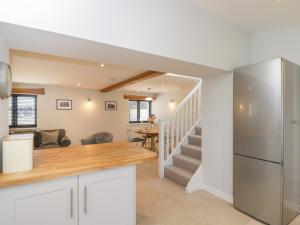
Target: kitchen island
84,185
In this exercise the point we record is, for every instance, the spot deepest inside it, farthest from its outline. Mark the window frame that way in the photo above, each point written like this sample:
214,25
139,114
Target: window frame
139,109
14,113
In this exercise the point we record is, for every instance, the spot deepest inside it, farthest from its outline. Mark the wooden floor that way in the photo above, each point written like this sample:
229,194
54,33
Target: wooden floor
162,202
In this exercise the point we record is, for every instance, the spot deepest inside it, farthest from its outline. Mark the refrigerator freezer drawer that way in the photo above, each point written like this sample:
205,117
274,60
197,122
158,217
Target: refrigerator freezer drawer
257,188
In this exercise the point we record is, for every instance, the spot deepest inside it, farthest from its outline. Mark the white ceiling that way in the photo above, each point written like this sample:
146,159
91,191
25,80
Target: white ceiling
254,15
33,40
162,84
34,68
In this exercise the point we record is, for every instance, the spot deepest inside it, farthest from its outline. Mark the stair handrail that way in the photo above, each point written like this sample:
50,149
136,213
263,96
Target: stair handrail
179,124
186,98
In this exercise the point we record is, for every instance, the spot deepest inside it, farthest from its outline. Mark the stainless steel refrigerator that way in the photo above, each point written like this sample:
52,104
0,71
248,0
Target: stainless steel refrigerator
267,141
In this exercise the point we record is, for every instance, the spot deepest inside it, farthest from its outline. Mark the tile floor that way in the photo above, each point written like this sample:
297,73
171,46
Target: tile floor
162,202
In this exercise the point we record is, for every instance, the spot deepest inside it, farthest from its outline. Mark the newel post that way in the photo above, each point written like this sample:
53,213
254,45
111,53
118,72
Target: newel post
161,150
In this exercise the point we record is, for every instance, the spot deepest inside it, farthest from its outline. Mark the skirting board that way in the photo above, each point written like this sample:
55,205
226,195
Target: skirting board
292,205
210,190
227,197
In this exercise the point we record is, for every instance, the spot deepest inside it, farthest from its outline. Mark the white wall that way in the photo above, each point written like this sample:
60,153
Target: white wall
88,118
85,118
217,132
278,43
171,28
3,103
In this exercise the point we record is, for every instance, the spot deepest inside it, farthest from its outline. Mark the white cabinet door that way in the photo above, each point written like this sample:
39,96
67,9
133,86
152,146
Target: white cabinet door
46,203
108,197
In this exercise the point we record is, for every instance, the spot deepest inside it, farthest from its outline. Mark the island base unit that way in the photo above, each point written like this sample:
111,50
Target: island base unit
105,197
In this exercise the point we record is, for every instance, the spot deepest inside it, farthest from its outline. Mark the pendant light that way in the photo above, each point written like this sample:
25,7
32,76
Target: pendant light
149,98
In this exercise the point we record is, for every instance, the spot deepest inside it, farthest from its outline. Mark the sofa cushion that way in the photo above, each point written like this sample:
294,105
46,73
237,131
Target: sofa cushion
49,138
65,141
61,134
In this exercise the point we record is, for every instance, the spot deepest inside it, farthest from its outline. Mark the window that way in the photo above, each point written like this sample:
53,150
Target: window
22,111
139,111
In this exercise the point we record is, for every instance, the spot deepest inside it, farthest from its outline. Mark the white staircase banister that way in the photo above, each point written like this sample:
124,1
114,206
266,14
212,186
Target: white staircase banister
196,88
174,130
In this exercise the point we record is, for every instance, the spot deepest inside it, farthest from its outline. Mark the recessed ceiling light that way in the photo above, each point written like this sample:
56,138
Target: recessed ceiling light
102,65
78,84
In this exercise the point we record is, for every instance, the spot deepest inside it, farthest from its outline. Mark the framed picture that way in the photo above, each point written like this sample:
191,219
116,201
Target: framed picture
110,105
63,104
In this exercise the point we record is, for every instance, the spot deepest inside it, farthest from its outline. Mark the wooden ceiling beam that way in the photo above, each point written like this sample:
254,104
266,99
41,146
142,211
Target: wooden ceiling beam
29,91
140,77
137,97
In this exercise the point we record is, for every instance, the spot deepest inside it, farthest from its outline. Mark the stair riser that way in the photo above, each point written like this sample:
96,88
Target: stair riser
198,131
185,165
191,153
177,178
195,141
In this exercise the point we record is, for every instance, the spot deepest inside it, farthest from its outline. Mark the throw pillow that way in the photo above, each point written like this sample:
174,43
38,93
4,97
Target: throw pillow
49,138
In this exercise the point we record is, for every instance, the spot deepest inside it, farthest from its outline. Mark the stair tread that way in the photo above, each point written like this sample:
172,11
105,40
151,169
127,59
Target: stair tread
194,147
191,150
189,159
180,171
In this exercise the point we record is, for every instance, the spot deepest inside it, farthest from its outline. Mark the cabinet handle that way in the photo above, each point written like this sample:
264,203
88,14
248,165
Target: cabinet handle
71,203
85,200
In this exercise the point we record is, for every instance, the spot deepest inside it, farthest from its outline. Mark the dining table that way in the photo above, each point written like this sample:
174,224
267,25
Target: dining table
151,133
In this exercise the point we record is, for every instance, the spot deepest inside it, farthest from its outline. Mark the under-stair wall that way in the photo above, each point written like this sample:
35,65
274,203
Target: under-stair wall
214,174
217,136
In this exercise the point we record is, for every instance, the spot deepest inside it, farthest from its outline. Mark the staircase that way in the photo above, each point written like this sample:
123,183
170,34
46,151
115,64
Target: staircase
187,162
180,140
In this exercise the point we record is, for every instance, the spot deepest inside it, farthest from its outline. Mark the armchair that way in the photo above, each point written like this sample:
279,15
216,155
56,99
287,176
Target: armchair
101,137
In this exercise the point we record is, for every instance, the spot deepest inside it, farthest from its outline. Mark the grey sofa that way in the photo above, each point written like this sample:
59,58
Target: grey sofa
101,137
62,139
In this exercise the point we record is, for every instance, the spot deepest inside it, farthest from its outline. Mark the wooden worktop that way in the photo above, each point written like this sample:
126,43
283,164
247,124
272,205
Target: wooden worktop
61,162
